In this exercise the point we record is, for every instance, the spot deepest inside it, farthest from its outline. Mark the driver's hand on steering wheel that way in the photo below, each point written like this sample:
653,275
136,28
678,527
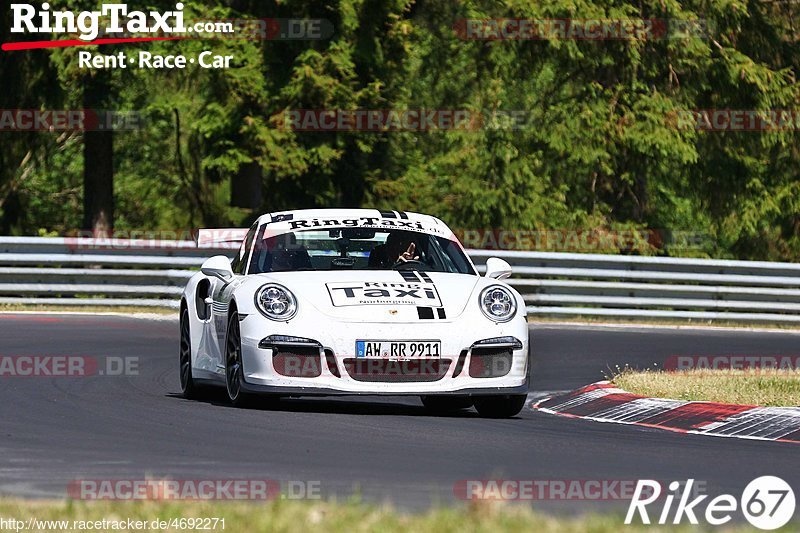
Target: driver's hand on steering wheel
408,255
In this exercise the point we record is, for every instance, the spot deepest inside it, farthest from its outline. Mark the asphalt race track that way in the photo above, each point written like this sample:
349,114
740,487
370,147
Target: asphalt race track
54,430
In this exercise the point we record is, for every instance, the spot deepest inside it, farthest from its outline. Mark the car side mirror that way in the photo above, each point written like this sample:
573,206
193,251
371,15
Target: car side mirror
218,266
497,268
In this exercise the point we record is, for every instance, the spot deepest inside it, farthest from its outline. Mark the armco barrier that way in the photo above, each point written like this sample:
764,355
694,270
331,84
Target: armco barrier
84,272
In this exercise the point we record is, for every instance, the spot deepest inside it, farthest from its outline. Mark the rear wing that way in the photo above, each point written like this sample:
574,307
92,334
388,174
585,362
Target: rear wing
228,238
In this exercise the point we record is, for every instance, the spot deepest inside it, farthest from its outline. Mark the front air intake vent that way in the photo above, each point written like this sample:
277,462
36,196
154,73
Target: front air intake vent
394,371
490,362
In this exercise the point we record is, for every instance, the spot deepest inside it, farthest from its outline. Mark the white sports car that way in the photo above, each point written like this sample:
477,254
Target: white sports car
354,301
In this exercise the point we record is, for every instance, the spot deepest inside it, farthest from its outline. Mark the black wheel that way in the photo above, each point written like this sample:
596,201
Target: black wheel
188,387
504,406
233,364
446,404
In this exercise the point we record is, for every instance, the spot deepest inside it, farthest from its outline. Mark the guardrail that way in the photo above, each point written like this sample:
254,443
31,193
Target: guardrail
91,272
120,272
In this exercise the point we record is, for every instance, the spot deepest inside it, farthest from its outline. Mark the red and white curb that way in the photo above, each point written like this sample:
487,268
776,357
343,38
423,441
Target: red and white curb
603,402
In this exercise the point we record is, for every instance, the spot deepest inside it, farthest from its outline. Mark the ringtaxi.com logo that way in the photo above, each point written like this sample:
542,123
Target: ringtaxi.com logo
768,502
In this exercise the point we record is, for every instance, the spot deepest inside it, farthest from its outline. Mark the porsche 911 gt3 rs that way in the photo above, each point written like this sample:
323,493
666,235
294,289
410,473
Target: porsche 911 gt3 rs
354,301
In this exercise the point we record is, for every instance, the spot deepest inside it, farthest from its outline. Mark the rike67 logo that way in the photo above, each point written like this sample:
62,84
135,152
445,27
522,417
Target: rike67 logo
767,502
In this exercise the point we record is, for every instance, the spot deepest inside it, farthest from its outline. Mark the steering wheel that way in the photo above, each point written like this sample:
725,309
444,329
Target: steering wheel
410,264
339,263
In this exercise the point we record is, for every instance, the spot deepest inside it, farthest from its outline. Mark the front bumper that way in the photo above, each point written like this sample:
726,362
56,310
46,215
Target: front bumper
326,363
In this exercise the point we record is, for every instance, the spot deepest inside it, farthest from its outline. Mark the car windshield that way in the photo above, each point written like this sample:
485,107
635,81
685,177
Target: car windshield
356,249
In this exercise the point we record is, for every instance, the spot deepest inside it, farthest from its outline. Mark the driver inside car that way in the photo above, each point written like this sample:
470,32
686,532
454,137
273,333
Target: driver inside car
399,247
283,254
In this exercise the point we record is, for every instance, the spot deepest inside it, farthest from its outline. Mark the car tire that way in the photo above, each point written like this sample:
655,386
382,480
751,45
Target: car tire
446,404
189,388
504,406
233,364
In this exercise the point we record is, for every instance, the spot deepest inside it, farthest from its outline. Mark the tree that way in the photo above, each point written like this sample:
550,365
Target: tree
98,157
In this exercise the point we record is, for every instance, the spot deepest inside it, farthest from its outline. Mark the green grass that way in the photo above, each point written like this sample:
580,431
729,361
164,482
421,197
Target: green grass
766,387
320,517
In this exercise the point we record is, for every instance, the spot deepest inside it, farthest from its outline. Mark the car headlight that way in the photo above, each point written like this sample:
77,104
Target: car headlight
276,302
497,303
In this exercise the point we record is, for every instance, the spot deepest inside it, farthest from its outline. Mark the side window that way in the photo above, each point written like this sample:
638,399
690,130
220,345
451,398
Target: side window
240,261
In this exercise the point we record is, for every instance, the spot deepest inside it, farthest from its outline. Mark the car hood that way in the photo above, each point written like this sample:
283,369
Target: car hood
380,296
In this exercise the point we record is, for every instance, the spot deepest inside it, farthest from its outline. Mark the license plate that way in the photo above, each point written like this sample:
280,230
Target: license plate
399,349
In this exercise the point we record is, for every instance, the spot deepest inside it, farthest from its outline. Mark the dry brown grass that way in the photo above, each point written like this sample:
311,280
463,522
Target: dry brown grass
766,387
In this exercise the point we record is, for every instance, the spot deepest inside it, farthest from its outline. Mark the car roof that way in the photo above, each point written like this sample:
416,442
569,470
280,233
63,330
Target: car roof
300,219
